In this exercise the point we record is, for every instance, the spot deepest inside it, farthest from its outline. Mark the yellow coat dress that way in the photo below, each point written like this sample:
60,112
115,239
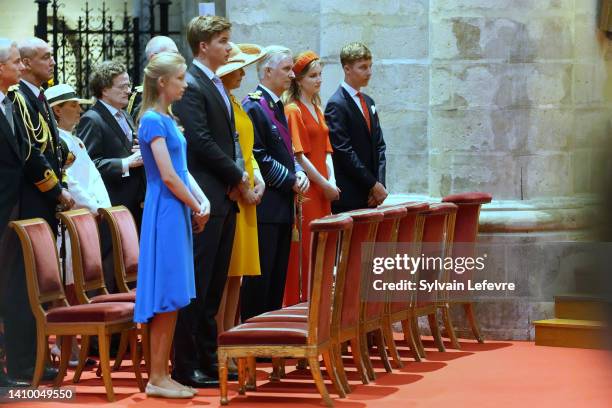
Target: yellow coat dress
245,252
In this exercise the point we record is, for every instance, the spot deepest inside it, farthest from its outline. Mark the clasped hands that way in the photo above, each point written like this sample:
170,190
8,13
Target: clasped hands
200,218
244,192
377,195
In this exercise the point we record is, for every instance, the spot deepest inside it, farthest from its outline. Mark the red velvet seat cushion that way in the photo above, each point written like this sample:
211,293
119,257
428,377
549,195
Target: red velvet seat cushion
468,198
269,333
115,297
92,313
282,315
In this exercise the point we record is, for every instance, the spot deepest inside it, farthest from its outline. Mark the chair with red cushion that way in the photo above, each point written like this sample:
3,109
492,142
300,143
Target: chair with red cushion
349,272
125,245
465,235
373,303
437,242
45,287
88,275
401,305
298,340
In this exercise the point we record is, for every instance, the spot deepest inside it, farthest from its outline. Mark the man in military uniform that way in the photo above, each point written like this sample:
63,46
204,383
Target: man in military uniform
30,169
284,178
155,45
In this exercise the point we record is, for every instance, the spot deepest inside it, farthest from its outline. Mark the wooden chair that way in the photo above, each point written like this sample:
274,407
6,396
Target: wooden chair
125,245
465,237
400,307
284,339
88,275
437,240
45,287
373,303
351,268
125,258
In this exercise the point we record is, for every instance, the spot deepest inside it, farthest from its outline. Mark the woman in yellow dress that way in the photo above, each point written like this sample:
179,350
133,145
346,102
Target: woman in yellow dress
245,252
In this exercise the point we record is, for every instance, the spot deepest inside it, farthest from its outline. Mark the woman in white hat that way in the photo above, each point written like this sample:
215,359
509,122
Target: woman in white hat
245,252
83,179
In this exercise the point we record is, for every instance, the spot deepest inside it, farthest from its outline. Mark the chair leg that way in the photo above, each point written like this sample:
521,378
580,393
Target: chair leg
42,348
469,312
390,342
302,364
365,357
358,359
450,330
135,355
382,351
242,372
435,331
281,368
409,338
222,357
275,376
251,384
64,357
336,356
333,375
318,379
123,343
82,358
417,336
104,348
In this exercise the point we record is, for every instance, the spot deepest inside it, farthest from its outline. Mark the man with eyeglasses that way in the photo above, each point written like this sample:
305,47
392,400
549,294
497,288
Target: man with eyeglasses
109,135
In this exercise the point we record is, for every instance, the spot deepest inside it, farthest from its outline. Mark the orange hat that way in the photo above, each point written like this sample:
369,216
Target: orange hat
302,60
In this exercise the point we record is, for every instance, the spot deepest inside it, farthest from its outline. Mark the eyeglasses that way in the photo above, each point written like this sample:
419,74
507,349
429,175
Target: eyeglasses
123,87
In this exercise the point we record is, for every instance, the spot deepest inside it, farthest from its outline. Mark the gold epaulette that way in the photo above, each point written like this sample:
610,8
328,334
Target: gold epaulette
139,88
13,88
48,182
255,95
130,108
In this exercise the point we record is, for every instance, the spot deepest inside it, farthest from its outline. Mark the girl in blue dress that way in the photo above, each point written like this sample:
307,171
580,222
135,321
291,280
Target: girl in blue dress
174,206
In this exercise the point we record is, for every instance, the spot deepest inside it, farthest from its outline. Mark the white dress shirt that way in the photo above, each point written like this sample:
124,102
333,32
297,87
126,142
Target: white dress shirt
353,92
35,89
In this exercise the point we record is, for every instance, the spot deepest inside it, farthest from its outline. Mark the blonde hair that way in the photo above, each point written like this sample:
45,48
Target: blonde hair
161,65
203,29
353,52
293,94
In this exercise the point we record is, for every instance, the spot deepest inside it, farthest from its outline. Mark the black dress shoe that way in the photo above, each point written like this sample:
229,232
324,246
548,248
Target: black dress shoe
213,372
8,382
196,379
49,373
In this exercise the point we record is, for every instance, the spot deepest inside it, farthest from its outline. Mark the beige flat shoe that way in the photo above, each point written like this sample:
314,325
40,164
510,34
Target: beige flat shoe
155,391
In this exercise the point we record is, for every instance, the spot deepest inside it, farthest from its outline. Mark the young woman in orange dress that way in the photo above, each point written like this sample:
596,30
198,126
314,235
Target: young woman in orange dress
310,138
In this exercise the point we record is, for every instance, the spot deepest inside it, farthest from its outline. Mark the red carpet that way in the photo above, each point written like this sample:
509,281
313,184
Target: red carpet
495,374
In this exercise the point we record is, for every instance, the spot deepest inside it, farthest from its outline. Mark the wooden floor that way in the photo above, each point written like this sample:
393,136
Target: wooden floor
496,374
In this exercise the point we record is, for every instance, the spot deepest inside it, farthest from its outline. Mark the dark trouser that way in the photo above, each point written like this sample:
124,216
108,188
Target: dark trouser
195,337
19,322
260,294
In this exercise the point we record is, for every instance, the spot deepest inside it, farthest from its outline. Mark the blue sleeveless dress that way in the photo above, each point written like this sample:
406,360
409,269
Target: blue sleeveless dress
165,270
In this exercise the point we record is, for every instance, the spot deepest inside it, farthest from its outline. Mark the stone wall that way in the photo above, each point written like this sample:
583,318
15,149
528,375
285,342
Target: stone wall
506,96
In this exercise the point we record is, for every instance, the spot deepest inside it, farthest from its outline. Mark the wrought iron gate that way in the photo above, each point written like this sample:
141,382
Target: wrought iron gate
97,36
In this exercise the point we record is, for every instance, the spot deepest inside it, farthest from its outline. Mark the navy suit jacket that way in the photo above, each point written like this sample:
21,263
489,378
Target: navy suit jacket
359,154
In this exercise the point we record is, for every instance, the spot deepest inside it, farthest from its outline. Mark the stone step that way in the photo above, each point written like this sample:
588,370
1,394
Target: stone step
582,307
592,334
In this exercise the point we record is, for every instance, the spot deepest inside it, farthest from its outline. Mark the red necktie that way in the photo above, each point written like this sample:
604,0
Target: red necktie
364,108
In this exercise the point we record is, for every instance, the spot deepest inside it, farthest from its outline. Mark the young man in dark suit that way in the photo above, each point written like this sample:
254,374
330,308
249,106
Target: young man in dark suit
355,135
215,161
29,181
284,178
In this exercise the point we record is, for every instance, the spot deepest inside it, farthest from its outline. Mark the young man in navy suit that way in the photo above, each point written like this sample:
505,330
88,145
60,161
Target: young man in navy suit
355,135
